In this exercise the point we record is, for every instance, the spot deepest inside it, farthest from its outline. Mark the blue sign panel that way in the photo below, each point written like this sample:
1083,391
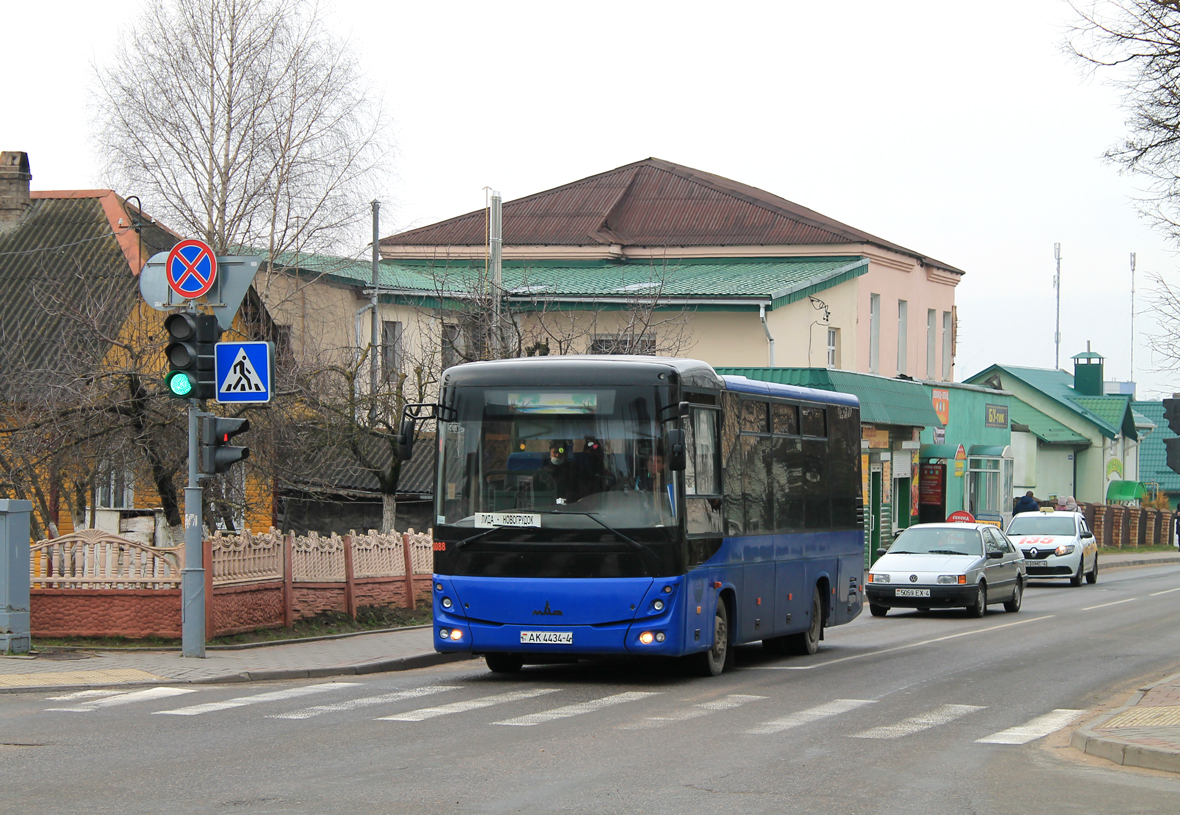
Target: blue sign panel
191,268
243,371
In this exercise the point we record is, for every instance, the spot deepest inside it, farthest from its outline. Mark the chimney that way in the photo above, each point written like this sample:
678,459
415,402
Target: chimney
14,187
1087,373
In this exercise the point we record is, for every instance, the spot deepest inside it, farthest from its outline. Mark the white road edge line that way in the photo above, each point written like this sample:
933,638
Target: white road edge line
1115,603
898,647
1033,729
1167,591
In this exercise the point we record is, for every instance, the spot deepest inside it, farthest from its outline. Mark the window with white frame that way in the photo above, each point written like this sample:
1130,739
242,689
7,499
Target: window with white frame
641,344
114,487
392,350
931,343
874,333
833,348
902,336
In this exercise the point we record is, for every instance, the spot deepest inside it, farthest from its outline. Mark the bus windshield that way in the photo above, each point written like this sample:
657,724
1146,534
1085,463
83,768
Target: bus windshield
565,458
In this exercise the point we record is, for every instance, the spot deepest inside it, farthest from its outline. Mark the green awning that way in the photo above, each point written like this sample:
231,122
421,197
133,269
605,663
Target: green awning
1124,491
882,400
946,451
986,450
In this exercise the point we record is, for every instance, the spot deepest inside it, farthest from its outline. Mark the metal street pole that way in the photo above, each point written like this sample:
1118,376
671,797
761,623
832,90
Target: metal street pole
192,626
376,324
1057,285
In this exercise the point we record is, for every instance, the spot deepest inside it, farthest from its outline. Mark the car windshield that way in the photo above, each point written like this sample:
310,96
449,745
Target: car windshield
1041,525
937,541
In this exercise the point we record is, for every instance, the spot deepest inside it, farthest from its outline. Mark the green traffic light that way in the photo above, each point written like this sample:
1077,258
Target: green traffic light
179,383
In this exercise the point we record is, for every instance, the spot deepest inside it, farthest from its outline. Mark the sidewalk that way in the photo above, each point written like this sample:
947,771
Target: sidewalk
396,650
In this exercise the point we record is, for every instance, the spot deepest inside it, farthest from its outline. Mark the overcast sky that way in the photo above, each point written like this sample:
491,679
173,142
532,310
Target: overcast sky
958,130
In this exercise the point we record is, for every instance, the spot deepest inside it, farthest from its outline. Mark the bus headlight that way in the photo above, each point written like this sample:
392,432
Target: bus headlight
446,602
456,635
660,636
445,633
647,638
658,605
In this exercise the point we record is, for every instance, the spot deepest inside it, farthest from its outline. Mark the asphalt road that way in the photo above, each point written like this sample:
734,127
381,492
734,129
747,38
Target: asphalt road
911,713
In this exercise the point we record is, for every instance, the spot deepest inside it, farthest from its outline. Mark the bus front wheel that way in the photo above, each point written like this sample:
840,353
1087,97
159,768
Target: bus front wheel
712,662
503,663
806,642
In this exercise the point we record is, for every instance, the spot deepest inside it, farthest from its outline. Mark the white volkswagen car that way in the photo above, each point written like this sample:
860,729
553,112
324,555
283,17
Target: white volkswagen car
947,565
1056,545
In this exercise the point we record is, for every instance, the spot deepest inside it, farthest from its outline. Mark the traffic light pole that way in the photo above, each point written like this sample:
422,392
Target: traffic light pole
192,624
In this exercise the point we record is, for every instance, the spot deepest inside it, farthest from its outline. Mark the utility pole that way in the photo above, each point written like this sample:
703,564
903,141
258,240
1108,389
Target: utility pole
376,320
1057,285
496,245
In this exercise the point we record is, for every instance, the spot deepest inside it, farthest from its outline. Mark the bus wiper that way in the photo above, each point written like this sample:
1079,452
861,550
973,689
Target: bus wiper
648,556
472,538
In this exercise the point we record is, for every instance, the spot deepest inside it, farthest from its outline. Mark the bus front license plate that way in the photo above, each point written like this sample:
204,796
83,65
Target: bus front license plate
547,637
911,592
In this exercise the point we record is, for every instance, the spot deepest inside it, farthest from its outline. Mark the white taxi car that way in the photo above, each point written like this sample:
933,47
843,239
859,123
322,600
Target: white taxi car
947,565
1056,545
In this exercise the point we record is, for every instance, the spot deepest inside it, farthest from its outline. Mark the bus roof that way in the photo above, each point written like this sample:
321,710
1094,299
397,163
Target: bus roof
743,385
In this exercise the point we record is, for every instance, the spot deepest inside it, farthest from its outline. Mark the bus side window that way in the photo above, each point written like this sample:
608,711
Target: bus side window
844,465
731,464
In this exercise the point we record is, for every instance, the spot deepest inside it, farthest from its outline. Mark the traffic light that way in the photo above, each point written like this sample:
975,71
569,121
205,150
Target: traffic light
191,341
216,454
1172,446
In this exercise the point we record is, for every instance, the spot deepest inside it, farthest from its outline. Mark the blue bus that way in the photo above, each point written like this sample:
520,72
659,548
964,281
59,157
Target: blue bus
604,505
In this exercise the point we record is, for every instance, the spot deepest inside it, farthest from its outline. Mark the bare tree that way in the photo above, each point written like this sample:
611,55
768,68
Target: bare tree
245,122
1137,44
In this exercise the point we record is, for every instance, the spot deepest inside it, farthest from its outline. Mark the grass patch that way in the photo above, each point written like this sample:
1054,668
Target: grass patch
325,624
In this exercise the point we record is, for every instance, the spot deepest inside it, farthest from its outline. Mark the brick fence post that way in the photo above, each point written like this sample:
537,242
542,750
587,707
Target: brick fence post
1134,518
409,559
349,579
1116,526
288,581
207,558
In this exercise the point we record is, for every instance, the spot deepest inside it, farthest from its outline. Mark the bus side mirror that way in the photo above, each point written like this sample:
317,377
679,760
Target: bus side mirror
405,440
677,456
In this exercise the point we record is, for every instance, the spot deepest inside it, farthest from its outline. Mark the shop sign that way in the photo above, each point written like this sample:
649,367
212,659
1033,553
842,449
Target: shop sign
996,416
960,461
961,516
930,484
877,439
942,405
990,518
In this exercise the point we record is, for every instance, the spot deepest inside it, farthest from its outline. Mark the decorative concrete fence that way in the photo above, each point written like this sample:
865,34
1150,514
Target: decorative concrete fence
93,583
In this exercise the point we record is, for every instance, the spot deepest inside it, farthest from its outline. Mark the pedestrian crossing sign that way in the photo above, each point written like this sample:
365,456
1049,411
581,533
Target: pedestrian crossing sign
243,371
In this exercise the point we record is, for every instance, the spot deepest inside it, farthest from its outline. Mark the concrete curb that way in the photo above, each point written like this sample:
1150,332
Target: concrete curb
382,666
1124,752
1127,564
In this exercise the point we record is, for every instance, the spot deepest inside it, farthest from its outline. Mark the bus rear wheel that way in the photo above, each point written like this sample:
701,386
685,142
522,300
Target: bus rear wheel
806,642
713,661
503,663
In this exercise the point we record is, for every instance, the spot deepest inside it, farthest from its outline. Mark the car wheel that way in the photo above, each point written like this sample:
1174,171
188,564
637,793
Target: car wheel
1013,605
713,661
806,642
1076,580
980,606
878,611
1092,577
503,663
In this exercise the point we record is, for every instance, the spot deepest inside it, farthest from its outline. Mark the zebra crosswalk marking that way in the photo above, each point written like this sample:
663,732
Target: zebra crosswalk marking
575,710
695,712
367,701
241,701
125,699
1034,728
833,708
916,724
471,704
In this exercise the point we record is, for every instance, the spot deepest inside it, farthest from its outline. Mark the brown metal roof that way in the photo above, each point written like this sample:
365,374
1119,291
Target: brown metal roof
651,203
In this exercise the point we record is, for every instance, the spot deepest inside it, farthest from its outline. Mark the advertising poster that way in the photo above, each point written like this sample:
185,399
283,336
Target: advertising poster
914,482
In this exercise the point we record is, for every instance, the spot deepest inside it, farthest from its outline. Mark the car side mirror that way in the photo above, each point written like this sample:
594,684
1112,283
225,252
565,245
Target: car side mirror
994,555
881,552
1087,534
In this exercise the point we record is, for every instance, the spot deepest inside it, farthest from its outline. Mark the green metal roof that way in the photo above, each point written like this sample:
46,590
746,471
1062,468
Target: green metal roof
1045,428
1153,456
882,400
776,281
1114,414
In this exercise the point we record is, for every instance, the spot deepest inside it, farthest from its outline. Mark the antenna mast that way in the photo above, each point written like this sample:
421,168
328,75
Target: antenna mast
1057,285
1132,316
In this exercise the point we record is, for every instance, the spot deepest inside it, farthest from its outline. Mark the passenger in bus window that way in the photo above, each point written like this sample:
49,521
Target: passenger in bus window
566,480
653,474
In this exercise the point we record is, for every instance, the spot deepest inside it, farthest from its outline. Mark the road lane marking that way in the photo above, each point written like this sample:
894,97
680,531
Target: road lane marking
1034,728
897,647
471,704
575,710
695,712
367,701
1115,603
83,694
125,699
1167,591
812,714
241,701
916,724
